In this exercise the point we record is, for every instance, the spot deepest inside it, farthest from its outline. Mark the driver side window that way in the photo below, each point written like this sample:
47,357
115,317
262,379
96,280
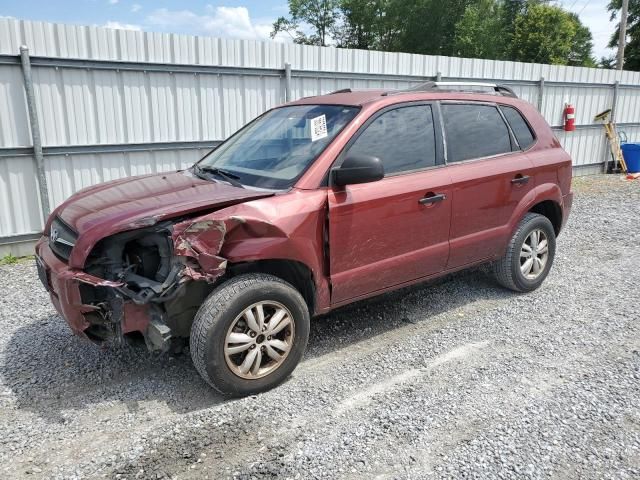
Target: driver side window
403,138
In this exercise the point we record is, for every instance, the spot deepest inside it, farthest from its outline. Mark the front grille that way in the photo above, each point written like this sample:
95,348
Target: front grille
62,238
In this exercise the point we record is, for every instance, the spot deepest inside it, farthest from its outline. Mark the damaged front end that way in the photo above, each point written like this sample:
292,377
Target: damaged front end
155,280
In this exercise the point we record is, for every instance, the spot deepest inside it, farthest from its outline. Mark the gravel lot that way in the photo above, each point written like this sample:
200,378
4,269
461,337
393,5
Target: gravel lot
455,379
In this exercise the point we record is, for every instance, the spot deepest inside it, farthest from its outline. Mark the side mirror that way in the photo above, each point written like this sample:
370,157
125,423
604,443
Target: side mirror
358,169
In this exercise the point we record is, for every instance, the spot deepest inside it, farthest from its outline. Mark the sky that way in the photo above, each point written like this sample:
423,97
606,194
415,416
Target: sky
248,19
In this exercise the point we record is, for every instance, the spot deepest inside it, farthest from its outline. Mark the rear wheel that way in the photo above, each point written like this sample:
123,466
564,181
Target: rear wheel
249,334
529,255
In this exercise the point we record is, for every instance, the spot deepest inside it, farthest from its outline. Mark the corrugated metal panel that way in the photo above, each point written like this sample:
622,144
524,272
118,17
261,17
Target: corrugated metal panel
69,173
628,110
585,146
19,201
631,133
81,107
99,106
14,121
587,102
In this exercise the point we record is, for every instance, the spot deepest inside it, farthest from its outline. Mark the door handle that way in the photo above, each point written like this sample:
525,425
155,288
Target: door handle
432,199
520,179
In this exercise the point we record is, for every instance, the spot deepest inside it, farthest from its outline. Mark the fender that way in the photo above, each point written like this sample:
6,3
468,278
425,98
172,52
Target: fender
277,229
540,193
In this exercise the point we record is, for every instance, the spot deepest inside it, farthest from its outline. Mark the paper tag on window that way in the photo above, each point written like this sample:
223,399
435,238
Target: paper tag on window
318,128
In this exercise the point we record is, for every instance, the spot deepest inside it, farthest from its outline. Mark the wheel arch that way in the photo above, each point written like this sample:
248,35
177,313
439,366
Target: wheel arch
299,275
545,199
552,210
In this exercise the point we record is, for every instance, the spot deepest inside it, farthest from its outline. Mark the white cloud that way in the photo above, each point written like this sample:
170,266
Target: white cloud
136,7
113,2
233,22
122,26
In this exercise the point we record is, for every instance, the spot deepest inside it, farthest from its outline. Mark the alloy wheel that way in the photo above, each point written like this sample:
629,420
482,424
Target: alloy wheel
534,254
259,340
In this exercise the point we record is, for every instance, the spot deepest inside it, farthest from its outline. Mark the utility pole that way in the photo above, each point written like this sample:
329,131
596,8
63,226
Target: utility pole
622,39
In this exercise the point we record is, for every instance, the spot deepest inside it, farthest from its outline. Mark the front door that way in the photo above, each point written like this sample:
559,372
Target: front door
386,233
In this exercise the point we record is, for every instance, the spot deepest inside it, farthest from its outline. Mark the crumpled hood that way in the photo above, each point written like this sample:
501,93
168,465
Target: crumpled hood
135,202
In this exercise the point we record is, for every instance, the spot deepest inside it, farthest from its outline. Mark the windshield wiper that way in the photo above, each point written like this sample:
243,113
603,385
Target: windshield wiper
231,178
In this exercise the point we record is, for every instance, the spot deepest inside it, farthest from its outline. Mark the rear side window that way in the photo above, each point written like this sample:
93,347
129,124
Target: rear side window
519,126
403,138
474,131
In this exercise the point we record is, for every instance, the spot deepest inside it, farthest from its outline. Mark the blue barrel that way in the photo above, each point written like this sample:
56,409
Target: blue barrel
631,154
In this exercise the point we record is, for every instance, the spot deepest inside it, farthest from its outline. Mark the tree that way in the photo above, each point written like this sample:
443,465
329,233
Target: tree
428,26
369,24
319,15
548,34
476,33
632,48
524,30
581,46
511,10
607,62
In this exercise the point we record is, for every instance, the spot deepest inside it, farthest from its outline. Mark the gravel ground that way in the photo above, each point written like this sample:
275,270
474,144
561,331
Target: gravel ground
455,379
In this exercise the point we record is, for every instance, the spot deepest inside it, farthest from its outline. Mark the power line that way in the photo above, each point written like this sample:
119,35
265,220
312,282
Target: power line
585,6
573,4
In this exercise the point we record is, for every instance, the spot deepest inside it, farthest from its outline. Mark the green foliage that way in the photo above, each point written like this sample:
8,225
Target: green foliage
320,15
429,26
581,46
632,47
475,32
370,24
8,259
549,34
523,30
607,62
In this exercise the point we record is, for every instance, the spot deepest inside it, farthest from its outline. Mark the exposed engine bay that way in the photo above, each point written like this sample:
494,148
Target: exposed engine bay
152,298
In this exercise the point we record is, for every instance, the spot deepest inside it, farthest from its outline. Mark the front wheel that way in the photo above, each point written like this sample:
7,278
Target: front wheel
529,255
249,334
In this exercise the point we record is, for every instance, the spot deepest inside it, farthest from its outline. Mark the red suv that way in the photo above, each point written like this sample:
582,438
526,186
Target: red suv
315,204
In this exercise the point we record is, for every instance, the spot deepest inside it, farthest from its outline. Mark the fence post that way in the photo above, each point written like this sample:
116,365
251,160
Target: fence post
35,131
287,82
540,94
614,104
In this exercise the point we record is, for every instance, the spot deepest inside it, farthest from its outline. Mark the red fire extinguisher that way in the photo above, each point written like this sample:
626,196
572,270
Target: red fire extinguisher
569,118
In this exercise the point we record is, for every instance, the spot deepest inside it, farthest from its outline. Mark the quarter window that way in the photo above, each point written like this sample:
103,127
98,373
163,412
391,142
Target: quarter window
519,126
403,138
474,131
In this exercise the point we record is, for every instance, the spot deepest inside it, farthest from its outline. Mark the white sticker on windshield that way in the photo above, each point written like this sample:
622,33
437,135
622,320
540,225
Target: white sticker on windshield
318,128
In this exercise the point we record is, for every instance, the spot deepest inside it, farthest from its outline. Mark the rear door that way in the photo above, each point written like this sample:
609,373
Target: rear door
490,174
389,232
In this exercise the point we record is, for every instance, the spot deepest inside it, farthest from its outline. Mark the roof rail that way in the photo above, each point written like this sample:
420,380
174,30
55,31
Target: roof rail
492,88
342,90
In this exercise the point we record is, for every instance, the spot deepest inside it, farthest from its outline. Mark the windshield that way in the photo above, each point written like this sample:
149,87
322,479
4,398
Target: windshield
277,148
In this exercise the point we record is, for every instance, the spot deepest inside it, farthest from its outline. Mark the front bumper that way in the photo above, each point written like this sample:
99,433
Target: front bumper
63,284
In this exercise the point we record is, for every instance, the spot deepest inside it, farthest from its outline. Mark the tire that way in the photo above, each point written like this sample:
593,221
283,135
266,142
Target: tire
223,314
508,270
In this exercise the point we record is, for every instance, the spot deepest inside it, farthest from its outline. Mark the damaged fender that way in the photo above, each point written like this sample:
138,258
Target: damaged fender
201,240
282,227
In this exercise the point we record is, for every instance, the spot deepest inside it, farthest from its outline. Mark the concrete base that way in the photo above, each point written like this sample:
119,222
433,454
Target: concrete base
18,249
592,169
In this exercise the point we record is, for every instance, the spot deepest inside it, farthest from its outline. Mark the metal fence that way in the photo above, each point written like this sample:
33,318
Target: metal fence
114,103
